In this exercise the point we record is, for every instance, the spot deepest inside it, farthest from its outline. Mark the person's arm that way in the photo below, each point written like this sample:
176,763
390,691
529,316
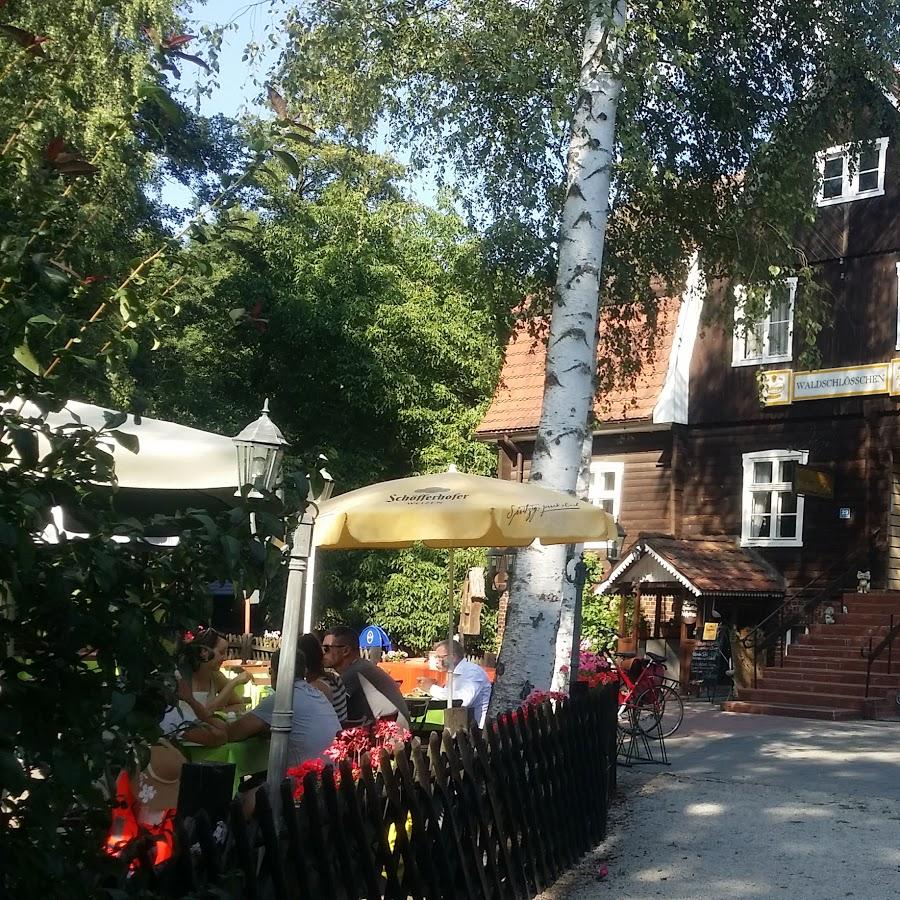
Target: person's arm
186,696
253,723
225,701
206,734
247,726
463,689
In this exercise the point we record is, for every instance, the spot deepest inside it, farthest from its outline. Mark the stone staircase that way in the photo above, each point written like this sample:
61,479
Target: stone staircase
824,673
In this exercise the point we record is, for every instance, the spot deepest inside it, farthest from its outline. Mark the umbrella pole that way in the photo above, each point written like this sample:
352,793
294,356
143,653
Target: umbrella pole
451,578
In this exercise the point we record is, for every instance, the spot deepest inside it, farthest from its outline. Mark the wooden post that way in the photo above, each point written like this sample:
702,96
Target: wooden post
636,619
676,482
621,620
657,616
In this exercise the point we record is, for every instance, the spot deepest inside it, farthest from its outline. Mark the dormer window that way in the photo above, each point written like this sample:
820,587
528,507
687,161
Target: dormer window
852,172
771,338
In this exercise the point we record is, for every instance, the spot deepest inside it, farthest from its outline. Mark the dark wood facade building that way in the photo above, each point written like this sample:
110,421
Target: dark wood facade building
708,443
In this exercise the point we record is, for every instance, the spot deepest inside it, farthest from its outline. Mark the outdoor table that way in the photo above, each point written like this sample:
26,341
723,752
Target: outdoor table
434,716
407,671
249,757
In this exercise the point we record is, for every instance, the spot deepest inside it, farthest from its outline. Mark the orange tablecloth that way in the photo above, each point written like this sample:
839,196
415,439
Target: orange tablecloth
407,671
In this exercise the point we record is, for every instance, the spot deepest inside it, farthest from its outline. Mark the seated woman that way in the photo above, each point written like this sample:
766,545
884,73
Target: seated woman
146,800
190,721
202,660
326,680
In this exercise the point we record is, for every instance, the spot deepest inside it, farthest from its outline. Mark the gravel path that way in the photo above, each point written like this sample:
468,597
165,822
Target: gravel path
754,807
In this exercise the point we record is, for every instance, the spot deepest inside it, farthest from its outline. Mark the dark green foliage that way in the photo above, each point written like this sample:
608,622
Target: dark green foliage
70,722
372,325
406,593
85,272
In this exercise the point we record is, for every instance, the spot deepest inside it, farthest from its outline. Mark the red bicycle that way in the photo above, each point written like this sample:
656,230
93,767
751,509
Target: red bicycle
646,701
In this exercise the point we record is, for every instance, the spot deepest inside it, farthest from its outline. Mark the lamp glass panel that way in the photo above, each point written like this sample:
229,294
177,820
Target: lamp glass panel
259,465
243,457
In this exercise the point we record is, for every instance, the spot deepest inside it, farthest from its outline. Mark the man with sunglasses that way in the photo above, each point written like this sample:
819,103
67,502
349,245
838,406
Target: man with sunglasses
371,692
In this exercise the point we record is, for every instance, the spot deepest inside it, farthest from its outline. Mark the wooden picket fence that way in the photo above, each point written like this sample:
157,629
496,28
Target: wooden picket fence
251,647
493,813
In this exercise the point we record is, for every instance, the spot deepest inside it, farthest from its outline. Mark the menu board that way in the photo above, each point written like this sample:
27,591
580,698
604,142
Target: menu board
707,663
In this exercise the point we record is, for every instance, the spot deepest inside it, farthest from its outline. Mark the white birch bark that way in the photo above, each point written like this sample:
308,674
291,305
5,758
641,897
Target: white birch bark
528,654
564,635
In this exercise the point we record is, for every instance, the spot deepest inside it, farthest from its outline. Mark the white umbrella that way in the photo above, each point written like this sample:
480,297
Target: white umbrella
167,467
168,456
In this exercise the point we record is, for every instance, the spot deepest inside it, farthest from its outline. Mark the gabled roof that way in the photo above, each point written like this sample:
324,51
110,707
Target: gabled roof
705,566
516,406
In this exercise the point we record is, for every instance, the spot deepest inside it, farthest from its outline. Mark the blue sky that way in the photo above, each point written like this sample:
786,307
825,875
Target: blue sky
241,82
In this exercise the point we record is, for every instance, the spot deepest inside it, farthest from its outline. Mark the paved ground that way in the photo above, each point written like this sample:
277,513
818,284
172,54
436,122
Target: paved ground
755,807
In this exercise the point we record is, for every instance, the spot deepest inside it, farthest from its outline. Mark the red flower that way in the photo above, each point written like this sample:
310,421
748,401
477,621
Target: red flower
350,744
299,773
536,698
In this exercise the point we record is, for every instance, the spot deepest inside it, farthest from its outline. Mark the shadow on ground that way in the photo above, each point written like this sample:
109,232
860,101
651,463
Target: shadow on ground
755,807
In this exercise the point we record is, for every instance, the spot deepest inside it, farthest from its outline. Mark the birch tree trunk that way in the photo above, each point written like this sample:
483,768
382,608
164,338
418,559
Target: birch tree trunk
529,647
565,633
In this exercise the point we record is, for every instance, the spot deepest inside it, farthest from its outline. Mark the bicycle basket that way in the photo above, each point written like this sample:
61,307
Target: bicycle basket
637,666
656,672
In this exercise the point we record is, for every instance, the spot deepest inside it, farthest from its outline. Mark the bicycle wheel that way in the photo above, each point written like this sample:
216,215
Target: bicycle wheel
640,713
665,711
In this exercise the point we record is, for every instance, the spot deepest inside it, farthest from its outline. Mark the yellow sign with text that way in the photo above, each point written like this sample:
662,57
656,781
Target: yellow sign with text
813,482
781,387
710,631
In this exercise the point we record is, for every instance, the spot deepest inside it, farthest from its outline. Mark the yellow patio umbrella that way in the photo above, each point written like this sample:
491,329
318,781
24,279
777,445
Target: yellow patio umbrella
451,510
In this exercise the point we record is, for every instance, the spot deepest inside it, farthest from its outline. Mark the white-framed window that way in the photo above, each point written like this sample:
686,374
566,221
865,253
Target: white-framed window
898,306
852,174
771,339
772,513
605,490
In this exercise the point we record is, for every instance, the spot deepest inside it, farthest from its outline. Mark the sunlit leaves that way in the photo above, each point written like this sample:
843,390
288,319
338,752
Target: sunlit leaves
723,108
23,355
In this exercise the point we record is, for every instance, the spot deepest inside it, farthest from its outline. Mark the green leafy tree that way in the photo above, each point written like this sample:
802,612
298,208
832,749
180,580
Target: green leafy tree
604,142
88,626
406,594
371,322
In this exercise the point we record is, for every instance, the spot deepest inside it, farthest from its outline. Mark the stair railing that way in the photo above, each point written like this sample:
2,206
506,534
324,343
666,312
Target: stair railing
887,642
773,629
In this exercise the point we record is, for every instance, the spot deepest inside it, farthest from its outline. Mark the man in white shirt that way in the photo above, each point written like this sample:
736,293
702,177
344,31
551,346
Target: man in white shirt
470,681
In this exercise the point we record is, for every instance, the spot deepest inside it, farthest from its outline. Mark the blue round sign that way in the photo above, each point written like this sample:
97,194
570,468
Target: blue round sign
374,636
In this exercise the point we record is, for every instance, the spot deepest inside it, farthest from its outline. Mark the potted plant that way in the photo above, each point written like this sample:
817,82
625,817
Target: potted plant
644,629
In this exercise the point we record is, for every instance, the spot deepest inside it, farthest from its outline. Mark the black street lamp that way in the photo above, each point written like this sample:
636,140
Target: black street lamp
260,450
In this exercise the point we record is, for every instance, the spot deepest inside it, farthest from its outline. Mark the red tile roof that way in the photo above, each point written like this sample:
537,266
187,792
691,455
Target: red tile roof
517,401
710,565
